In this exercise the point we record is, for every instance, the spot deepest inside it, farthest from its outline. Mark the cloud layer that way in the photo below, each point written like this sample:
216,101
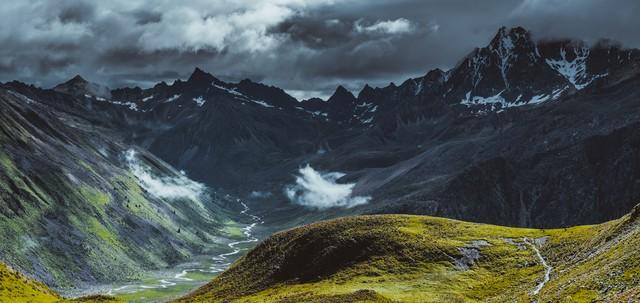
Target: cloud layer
179,187
304,46
321,191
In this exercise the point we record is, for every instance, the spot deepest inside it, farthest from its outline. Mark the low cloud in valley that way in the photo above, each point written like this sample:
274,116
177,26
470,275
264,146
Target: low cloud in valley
321,191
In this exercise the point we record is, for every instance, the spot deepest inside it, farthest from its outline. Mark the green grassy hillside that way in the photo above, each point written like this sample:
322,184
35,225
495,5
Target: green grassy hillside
16,288
394,258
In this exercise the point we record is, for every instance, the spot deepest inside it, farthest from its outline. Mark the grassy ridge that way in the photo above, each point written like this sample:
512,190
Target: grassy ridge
394,258
14,287
603,267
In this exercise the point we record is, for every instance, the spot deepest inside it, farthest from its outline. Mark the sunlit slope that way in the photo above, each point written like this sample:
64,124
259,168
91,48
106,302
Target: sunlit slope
16,288
604,267
392,258
74,209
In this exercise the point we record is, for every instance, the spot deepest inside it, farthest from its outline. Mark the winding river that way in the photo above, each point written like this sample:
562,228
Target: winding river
166,285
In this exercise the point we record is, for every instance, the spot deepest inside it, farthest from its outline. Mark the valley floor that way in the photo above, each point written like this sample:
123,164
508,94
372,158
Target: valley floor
159,286
170,284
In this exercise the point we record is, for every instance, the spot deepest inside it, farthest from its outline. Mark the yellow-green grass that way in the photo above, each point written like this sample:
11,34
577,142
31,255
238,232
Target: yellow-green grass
398,258
232,229
94,196
158,294
16,288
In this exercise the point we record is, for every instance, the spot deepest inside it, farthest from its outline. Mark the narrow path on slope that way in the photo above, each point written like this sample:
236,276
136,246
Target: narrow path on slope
203,270
547,267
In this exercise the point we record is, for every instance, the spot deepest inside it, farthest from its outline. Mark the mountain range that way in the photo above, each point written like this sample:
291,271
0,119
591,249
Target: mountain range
514,127
101,184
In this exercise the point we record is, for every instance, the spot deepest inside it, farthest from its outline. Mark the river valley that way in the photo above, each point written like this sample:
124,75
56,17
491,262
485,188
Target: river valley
164,285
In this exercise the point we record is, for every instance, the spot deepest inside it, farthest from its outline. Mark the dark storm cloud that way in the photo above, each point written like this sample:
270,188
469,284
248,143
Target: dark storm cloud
305,46
316,32
135,57
587,20
145,17
76,12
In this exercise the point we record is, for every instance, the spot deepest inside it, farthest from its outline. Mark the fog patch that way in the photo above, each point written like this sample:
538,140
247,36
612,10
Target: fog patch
174,187
399,26
321,191
260,194
72,178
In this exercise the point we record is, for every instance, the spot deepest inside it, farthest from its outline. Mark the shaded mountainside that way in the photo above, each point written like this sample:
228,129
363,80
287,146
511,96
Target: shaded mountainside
16,288
520,132
400,258
573,161
76,209
221,133
489,140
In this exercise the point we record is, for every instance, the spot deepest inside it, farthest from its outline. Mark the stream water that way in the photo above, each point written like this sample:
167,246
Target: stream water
547,267
169,284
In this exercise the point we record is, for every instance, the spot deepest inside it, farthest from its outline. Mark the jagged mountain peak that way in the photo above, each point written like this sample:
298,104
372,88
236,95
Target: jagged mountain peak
77,79
341,94
74,81
200,77
367,90
509,71
513,44
435,74
78,86
341,89
516,36
516,31
161,84
197,71
246,81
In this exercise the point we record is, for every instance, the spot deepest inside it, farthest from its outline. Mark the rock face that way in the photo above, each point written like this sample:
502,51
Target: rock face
512,70
509,71
520,132
78,86
565,163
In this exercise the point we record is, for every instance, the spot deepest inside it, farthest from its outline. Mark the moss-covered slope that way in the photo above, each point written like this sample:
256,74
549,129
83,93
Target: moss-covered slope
392,258
73,212
16,288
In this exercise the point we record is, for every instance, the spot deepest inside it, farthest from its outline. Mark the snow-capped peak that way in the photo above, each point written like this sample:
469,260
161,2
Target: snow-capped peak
504,50
575,71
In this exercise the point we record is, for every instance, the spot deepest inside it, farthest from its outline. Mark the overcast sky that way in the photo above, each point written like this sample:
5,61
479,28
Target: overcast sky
307,47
